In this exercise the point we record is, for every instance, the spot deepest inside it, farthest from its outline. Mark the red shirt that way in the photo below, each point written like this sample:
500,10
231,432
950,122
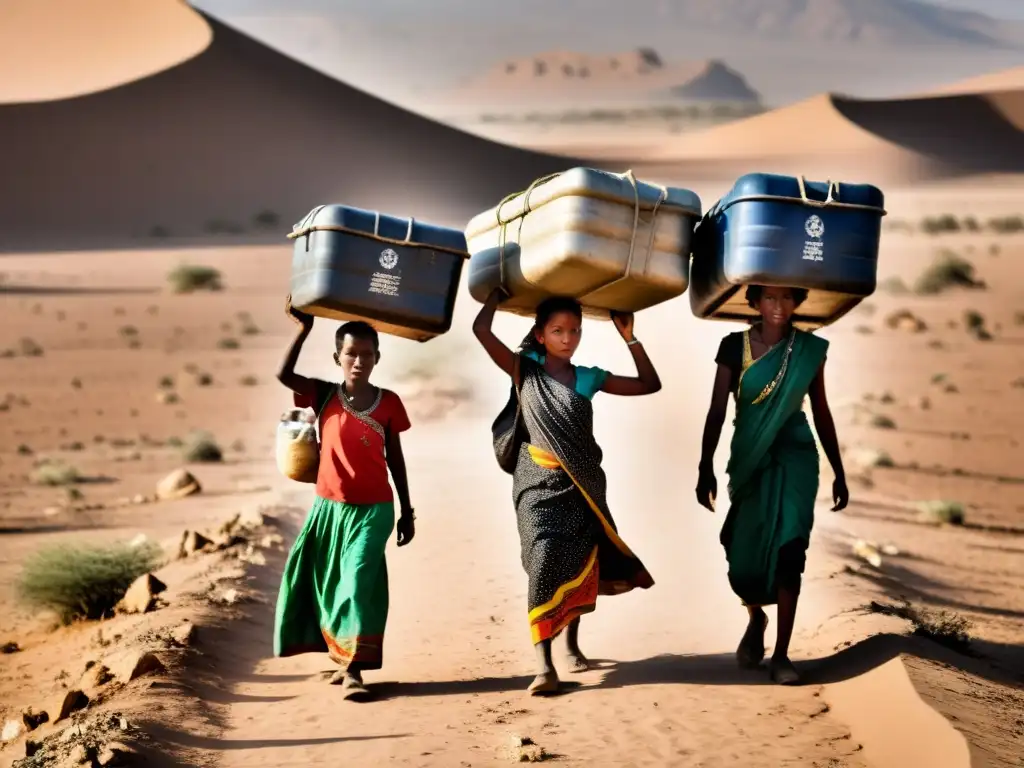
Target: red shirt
353,465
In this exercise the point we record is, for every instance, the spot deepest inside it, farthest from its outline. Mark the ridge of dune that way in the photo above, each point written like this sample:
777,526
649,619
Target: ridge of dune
225,141
108,42
1003,80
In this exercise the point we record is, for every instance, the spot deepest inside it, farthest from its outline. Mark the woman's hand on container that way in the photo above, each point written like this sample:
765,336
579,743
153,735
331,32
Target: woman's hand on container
623,324
840,494
707,489
304,320
406,527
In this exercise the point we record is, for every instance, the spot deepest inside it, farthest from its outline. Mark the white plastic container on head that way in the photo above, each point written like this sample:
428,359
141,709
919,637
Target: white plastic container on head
606,239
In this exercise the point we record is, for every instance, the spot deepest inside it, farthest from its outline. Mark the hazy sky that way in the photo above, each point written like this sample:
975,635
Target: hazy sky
1006,9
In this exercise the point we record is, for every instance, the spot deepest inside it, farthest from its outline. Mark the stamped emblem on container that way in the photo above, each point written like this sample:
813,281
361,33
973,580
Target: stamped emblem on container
388,258
814,226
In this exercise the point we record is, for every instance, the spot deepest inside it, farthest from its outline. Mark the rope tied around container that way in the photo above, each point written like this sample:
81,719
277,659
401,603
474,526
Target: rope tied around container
628,175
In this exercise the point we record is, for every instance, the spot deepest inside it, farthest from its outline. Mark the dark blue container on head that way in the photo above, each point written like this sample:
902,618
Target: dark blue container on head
398,274
786,231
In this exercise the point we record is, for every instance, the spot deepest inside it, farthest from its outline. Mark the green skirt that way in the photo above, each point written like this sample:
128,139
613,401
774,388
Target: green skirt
334,590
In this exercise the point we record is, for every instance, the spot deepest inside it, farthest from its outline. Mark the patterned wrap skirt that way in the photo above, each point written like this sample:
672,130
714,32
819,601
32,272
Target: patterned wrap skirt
570,546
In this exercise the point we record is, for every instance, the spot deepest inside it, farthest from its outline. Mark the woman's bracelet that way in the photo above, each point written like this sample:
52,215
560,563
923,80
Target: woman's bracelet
633,342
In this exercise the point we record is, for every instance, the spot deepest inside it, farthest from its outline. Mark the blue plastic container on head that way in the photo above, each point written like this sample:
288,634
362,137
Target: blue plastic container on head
785,231
400,275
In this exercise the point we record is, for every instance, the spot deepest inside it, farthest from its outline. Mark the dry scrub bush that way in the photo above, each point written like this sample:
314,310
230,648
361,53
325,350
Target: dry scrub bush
200,447
55,473
83,581
946,628
191,278
949,270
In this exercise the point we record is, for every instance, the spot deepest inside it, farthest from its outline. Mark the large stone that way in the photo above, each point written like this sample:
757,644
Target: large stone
905,320
67,702
13,730
132,664
94,678
33,719
177,485
184,634
192,542
141,595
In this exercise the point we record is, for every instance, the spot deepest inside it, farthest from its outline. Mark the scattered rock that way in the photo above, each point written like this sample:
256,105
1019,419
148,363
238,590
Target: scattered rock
79,755
177,485
94,678
522,749
868,552
114,754
67,702
184,634
272,540
229,596
141,595
33,719
13,730
132,664
192,542
905,320
11,647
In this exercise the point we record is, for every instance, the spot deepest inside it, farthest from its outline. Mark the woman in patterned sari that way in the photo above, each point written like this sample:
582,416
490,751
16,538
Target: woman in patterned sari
773,465
570,547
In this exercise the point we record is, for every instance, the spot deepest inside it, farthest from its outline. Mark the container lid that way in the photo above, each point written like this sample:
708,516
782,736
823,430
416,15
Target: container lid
388,229
796,189
586,182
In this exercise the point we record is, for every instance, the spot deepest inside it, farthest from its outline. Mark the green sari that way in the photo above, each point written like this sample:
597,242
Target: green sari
773,465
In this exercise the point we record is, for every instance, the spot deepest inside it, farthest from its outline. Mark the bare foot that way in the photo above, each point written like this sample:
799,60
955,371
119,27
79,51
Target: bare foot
577,662
544,684
750,653
783,672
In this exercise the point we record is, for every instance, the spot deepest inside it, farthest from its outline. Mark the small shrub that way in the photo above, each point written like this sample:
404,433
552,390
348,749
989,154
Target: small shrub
943,627
971,224
29,348
83,582
881,421
228,344
175,442
249,381
129,331
24,450
166,382
200,447
1006,225
203,379
56,473
936,225
947,271
894,286
191,278
250,329
973,319
267,220
76,383
941,512
870,459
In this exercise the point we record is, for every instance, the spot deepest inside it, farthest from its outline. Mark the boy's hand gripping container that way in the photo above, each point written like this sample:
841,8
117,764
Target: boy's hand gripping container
787,232
400,275
608,240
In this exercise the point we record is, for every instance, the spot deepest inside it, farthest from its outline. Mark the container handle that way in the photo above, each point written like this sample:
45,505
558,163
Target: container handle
829,199
302,227
503,223
408,232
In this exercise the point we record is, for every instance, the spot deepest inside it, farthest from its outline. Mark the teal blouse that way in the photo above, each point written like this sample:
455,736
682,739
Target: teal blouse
588,380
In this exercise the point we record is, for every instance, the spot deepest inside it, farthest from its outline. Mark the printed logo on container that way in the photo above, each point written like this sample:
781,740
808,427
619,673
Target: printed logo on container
386,283
814,249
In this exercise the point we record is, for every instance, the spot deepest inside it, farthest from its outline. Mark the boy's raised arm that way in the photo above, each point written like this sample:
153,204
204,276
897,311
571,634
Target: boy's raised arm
305,388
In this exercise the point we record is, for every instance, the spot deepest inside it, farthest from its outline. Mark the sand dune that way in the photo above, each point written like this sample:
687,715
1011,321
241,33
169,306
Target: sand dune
115,42
207,145
886,141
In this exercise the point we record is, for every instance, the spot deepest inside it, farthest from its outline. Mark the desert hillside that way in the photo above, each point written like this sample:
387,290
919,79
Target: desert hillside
237,141
564,79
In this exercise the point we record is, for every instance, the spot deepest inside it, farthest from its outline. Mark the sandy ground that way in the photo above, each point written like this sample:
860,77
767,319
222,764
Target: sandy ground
667,691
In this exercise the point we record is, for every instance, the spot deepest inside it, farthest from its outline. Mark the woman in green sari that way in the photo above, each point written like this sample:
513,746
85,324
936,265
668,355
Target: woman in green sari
773,465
